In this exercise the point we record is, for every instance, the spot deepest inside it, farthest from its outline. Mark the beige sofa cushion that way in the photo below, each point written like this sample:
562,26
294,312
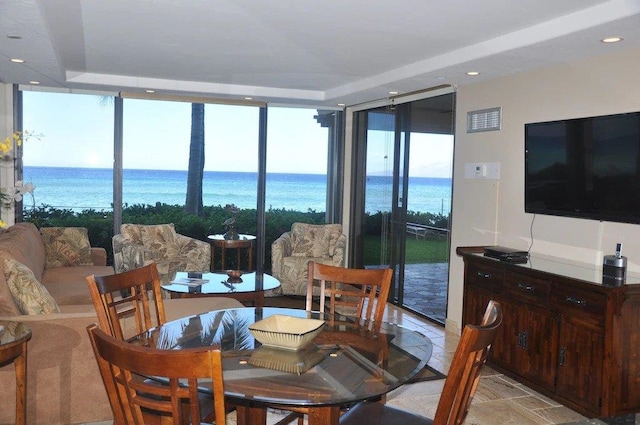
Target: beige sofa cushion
66,246
68,285
30,295
23,242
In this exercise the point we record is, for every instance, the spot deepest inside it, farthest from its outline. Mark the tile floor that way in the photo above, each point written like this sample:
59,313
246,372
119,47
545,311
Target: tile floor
498,400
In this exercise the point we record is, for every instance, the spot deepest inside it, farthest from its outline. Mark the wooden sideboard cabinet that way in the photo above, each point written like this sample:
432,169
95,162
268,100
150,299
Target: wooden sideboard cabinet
564,333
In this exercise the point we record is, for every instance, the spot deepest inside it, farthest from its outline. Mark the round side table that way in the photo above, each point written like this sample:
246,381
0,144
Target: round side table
244,242
13,349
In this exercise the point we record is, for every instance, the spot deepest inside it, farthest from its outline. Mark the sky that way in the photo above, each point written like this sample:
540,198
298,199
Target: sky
77,131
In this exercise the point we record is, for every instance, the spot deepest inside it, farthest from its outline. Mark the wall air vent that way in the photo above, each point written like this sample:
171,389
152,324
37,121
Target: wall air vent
484,120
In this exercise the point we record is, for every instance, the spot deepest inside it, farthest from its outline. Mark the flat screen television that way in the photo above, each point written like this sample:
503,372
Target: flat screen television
584,167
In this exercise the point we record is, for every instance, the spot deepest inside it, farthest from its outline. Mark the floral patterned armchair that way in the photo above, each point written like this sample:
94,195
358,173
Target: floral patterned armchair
138,245
291,253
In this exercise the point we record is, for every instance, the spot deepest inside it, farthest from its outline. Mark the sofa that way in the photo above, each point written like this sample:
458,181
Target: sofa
140,244
293,250
63,381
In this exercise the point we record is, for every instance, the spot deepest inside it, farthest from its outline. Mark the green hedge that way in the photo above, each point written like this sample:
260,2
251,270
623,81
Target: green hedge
278,221
100,223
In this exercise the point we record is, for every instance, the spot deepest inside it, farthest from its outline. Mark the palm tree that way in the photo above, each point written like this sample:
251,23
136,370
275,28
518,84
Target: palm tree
195,174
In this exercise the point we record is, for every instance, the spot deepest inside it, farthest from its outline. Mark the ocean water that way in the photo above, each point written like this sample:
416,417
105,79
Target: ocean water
84,188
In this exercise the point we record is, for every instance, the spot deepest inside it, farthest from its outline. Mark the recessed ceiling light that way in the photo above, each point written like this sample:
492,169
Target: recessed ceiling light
341,104
611,39
473,73
16,60
149,91
248,98
35,83
393,92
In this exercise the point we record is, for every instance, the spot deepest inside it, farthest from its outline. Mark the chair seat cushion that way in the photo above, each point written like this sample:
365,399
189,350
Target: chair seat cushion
378,414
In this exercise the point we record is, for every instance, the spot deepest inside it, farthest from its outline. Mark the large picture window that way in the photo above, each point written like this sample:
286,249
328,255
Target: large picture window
73,165
70,160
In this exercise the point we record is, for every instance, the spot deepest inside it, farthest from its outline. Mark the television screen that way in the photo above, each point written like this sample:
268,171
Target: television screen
584,167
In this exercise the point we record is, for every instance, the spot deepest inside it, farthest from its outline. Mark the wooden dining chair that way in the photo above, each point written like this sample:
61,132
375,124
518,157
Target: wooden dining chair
360,293
124,299
133,295
178,398
459,387
357,293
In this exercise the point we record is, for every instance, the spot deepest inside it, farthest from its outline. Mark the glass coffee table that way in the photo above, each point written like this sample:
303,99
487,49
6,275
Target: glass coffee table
250,287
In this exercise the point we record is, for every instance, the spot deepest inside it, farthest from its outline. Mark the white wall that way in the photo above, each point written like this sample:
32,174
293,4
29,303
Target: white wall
6,129
489,212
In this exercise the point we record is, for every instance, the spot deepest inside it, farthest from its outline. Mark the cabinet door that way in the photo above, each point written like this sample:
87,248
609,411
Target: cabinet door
580,362
527,342
506,348
539,346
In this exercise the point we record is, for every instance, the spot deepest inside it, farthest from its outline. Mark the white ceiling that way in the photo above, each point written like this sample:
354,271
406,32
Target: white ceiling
310,52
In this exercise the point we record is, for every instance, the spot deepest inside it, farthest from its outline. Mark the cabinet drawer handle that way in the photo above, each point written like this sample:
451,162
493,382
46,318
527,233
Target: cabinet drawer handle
484,275
522,340
576,301
563,355
525,287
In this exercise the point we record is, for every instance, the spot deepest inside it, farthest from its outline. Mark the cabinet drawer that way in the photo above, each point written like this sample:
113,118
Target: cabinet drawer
484,276
527,288
580,301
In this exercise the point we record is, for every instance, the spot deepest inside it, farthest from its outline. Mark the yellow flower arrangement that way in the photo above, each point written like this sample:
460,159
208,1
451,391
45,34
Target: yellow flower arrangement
9,142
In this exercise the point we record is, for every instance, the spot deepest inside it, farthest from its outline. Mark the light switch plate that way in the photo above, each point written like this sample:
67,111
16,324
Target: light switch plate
482,170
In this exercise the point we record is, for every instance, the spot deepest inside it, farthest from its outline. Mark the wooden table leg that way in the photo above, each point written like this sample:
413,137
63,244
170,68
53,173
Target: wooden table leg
329,415
20,364
251,415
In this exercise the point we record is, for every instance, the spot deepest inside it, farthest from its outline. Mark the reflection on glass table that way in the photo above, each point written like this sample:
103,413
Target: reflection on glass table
345,363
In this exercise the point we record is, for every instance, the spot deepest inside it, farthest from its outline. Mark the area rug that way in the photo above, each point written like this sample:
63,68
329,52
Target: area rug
427,374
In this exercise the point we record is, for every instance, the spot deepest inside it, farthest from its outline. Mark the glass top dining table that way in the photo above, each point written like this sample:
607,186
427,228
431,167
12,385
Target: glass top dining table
347,362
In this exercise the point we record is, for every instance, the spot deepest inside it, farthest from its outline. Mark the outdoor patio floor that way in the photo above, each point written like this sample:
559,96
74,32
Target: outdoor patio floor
425,289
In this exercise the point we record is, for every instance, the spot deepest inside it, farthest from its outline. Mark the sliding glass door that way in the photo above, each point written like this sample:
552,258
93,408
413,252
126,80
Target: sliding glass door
403,216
